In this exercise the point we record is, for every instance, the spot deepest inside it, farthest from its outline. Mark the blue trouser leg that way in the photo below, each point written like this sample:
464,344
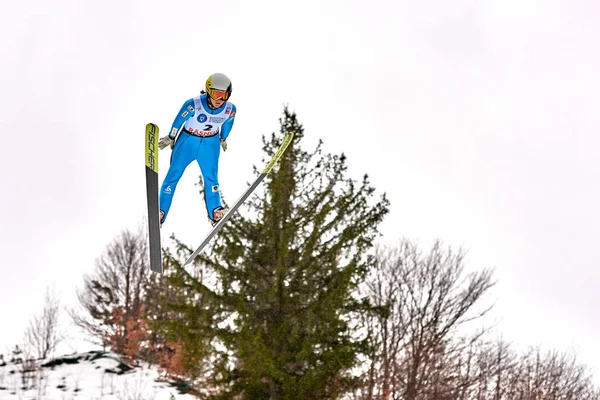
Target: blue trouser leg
185,151
208,160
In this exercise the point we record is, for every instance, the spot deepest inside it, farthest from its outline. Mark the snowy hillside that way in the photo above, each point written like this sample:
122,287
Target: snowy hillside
93,375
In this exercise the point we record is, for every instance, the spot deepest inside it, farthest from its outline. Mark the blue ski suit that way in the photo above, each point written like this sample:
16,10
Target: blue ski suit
202,129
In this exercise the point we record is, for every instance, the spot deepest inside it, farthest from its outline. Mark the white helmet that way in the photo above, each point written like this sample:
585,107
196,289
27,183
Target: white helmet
218,86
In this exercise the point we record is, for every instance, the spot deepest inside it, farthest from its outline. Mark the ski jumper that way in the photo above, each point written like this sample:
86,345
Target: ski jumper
202,129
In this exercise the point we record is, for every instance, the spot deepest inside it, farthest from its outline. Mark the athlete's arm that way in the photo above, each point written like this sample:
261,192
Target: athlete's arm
228,124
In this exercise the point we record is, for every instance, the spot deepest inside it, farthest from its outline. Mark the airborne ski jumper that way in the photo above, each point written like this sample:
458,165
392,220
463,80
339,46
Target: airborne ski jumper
199,132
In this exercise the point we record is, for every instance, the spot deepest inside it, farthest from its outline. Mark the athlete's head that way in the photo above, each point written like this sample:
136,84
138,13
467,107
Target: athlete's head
218,88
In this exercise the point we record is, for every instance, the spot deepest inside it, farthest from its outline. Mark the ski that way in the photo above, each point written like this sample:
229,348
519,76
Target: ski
287,139
151,146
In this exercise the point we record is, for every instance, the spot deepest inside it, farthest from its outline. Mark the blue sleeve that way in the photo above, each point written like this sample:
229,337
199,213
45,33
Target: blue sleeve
228,124
186,111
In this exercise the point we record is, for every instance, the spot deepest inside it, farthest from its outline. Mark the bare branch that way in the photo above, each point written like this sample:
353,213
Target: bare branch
42,333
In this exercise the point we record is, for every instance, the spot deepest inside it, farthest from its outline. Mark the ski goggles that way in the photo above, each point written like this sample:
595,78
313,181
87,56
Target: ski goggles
218,94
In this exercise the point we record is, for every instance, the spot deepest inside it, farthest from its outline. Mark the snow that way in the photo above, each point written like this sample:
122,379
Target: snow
93,375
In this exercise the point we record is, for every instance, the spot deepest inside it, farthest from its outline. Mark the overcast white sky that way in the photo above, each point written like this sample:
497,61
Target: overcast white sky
478,118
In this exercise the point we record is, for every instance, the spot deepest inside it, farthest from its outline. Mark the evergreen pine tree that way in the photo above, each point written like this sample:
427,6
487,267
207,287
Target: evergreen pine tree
288,266
183,320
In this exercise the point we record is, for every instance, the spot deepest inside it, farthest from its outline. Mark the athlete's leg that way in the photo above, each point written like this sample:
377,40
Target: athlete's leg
183,154
208,160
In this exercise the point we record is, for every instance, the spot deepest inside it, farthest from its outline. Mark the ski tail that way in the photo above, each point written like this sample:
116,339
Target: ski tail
287,139
151,147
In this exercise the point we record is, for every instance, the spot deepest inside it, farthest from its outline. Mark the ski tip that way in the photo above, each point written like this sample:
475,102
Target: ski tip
152,147
287,139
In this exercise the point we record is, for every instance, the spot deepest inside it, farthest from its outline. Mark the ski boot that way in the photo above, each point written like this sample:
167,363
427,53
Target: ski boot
218,213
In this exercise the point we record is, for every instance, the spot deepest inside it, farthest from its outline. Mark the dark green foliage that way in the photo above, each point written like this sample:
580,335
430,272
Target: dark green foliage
92,356
17,353
60,361
183,320
287,268
182,387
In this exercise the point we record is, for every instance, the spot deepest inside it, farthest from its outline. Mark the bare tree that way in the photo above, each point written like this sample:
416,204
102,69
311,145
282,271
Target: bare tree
113,295
549,376
418,352
424,298
42,334
498,372
481,368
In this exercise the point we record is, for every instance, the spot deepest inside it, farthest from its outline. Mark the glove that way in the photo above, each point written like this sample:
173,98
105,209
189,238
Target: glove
166,141
224,144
